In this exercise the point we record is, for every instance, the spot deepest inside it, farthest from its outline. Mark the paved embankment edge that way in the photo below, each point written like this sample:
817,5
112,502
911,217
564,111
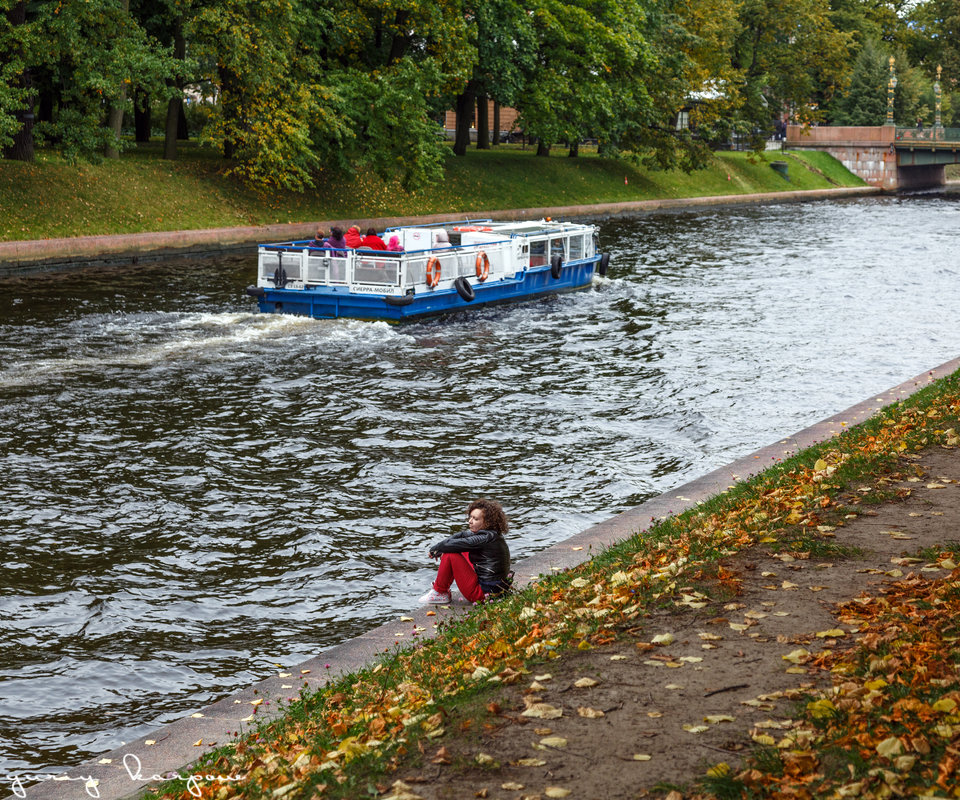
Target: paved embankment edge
43,255
124,772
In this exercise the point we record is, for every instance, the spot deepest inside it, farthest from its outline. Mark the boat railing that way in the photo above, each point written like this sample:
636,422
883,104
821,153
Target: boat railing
297,266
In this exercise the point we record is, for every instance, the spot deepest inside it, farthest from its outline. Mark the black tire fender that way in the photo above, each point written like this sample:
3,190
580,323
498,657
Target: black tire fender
556,265
604,262
255,291
464,289
402,300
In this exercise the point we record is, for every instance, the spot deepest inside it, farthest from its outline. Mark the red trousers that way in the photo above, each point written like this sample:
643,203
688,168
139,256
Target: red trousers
457,567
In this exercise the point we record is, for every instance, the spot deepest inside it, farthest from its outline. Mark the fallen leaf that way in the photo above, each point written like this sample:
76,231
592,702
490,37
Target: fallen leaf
556,791
543,711
589,713
642,756
585,683
553,741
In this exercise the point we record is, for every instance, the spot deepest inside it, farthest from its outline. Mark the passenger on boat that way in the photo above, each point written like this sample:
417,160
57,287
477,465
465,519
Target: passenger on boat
442,239
317,240
394,244
478,559
373,242
336,242
353,237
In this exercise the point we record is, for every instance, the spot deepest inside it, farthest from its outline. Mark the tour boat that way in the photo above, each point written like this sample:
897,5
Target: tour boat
442,269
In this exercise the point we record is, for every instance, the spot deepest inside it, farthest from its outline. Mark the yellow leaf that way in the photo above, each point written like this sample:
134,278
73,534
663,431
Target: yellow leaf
764,738
543,711
530,762
820,466
797,656
556,791
719,770
821,709
663,639
890,747
833,633
589,713
511,786
945,704
695,728
553,741
585,683
714,719
642,756
256,702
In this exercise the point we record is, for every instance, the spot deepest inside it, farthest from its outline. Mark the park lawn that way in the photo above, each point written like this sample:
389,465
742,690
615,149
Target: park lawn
143,192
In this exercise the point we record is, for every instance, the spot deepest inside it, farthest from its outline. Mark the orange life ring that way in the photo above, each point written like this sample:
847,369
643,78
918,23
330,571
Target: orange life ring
483,266
433,271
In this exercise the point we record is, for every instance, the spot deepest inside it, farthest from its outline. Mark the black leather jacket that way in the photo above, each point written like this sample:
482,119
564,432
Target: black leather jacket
489,555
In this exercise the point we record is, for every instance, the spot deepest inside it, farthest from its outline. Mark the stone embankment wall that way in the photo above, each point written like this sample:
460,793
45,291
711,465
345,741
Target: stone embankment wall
867,152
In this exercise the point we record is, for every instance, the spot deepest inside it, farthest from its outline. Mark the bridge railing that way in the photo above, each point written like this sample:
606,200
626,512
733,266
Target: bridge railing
928,135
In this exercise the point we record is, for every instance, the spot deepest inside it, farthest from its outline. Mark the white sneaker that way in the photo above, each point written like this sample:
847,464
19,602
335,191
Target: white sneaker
433,597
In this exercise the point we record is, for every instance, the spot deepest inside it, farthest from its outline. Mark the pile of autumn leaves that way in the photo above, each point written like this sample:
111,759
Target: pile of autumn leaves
890,725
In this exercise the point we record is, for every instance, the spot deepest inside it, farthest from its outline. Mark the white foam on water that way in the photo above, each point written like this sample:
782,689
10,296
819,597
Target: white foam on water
153,338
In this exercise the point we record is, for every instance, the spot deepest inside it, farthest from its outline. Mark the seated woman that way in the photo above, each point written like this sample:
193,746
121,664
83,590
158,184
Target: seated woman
373,242
336,242
394,244
478,559
353,237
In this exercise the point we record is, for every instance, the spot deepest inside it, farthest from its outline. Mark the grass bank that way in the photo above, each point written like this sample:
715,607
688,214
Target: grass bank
141,192
349,739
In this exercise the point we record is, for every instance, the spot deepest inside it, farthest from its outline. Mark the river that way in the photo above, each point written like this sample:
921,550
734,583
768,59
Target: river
196,493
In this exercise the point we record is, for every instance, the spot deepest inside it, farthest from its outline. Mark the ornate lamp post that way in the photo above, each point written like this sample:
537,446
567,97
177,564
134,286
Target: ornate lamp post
936,99
891,85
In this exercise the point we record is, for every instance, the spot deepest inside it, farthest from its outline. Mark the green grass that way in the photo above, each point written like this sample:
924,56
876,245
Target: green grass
143,192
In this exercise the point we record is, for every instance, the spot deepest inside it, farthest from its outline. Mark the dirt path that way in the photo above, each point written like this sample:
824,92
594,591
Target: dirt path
723,675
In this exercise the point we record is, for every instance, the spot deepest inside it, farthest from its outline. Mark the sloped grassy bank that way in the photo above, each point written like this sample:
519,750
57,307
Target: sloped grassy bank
141,192
345,739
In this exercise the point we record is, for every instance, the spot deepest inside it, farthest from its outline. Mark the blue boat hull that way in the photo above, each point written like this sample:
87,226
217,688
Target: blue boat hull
330,302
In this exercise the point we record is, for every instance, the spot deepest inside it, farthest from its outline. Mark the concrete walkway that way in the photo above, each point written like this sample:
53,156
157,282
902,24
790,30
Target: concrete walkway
127,770
40,255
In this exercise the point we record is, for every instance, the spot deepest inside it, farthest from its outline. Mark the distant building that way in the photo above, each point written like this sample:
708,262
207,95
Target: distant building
508,122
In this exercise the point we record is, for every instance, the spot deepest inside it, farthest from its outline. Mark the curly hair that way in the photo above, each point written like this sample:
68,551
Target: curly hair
493,517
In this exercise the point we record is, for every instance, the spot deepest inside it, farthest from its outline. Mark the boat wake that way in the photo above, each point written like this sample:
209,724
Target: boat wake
151,339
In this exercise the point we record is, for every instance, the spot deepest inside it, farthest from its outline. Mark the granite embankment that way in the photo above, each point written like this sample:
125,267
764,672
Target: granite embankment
39,255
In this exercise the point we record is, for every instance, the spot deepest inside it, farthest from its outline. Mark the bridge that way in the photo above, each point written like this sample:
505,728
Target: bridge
886,156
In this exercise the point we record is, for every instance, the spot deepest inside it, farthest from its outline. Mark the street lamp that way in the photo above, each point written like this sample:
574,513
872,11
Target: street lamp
891,85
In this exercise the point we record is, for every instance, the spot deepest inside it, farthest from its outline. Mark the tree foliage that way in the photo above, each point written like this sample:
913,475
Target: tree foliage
299,89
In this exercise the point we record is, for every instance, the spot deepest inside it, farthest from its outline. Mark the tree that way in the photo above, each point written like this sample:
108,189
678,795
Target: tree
864,102
16,82
502,35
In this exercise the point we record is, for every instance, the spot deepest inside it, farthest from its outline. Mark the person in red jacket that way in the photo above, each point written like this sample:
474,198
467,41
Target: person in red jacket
373,242
353,237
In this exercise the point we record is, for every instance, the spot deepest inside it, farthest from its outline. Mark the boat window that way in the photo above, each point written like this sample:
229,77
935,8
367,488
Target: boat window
538,253
576,247
557,248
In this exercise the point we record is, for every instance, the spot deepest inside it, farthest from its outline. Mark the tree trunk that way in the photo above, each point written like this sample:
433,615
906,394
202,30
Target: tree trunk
183,130
496,123
142,121
115,118
174,104
22,147
543,149
483,122
465,106
574,150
